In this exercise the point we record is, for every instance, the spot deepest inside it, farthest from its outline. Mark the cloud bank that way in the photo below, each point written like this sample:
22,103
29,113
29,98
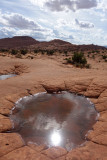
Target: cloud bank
61,5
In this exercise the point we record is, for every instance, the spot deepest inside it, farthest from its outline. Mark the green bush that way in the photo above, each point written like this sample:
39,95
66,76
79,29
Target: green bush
35,51
104,56
4,50
93,51
50,52
23,51
68,60
14,52
97,51
79,58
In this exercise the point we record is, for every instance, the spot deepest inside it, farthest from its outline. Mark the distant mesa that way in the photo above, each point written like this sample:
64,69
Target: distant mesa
27,42
17,41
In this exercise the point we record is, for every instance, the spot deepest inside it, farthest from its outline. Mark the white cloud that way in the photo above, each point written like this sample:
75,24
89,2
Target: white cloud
6,32
18,21
14,24
61,5
85,25
102,4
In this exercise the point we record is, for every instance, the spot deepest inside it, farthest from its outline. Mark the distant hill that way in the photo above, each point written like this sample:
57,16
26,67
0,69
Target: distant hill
56,44
17,41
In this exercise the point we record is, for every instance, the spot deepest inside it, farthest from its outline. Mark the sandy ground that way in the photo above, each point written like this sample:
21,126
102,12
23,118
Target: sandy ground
50,74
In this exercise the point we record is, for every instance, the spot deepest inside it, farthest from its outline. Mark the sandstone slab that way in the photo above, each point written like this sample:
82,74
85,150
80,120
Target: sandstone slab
9,142
5,123
55,152
24,153
90,151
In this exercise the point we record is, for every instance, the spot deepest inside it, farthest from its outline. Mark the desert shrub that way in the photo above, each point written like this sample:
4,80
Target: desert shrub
14,52
50,52
93,51
68,60
104,56
23,51
97,51
35,51
79,58
4,50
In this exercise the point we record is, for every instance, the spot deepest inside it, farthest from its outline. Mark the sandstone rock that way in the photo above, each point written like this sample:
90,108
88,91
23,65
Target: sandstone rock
55,152
102,102
36,89
78,85
93,100
100,139
91,151
37,148
24,153
5,123
5,106
53,87
9,142
61,158
103,116
100,128
96,88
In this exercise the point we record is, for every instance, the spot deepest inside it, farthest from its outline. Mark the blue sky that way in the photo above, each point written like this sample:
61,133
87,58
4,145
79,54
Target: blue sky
76,21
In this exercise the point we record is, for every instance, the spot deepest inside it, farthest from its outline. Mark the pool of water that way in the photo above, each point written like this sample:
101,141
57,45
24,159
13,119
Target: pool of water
3,77
54,119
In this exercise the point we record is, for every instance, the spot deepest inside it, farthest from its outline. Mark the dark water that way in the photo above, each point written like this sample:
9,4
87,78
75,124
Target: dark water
54,119
3,77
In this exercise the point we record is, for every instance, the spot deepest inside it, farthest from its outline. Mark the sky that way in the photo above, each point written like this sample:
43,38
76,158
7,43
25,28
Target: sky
75,21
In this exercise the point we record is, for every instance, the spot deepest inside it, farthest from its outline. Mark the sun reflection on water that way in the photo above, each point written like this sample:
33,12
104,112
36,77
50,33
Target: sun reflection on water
55,138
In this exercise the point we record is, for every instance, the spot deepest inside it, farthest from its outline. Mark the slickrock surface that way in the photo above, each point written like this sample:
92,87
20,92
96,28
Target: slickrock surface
45,74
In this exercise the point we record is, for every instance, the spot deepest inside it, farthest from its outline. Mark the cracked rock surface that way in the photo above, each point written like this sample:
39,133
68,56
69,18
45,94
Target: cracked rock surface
46,74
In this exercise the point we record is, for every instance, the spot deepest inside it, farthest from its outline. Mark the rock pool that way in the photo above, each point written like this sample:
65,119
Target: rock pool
61,119
3,77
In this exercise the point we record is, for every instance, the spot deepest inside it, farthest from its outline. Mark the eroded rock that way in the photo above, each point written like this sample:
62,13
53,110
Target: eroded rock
5,123
9,142
55,152
89,151
24,153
